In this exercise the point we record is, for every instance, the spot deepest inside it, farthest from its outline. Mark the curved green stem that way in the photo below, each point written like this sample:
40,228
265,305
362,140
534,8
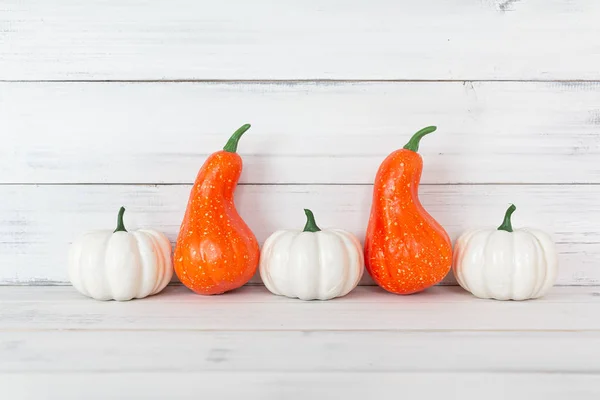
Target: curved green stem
413,143
311,225
507,224
120,225
232,143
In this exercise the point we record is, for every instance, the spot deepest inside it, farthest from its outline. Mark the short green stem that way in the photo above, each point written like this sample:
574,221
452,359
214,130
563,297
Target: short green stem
311,225
413,143
507,224
120,225
232,143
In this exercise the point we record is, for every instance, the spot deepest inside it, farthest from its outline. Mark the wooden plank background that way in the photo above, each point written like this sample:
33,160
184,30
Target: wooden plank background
113,103
41,221
489,132
311,39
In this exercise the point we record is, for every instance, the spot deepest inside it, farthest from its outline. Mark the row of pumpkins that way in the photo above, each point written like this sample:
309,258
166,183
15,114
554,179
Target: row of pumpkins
405,251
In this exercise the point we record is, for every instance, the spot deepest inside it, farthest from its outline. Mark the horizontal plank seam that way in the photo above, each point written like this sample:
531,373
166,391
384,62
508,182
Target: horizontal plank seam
295,81
270,372
296,184
296,303
177,284
296,330
320,370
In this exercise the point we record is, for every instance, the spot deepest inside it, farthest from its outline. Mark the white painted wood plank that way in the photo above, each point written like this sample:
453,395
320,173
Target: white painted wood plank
305,349
291,351
37,223
295,386
504,132
442,309
325,39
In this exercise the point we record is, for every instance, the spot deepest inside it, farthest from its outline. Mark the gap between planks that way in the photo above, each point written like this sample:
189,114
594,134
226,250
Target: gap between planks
297,330
156,184
49,283
298,81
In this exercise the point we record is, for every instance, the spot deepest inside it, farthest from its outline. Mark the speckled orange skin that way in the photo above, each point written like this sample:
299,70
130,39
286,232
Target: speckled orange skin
216,251
406,250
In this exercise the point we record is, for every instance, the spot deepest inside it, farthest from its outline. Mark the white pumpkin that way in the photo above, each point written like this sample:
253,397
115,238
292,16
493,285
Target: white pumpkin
120,265
312,264
503,264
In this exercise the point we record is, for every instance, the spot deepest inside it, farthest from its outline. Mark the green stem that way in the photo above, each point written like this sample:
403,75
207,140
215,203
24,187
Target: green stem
413,143
232,143
120,225
507,224
311,225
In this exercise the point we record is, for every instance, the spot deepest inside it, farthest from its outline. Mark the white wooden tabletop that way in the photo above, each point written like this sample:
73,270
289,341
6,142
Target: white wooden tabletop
55,343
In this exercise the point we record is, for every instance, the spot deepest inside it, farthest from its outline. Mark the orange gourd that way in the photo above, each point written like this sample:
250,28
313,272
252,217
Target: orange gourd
406,250
216,251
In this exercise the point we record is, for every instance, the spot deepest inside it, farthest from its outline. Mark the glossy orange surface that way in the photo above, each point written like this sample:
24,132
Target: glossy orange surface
216,251
406,250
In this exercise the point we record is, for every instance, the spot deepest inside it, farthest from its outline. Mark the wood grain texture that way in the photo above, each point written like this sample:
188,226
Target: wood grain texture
272,351
366,309
501,132
55,343
316,39
275,386
38,223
